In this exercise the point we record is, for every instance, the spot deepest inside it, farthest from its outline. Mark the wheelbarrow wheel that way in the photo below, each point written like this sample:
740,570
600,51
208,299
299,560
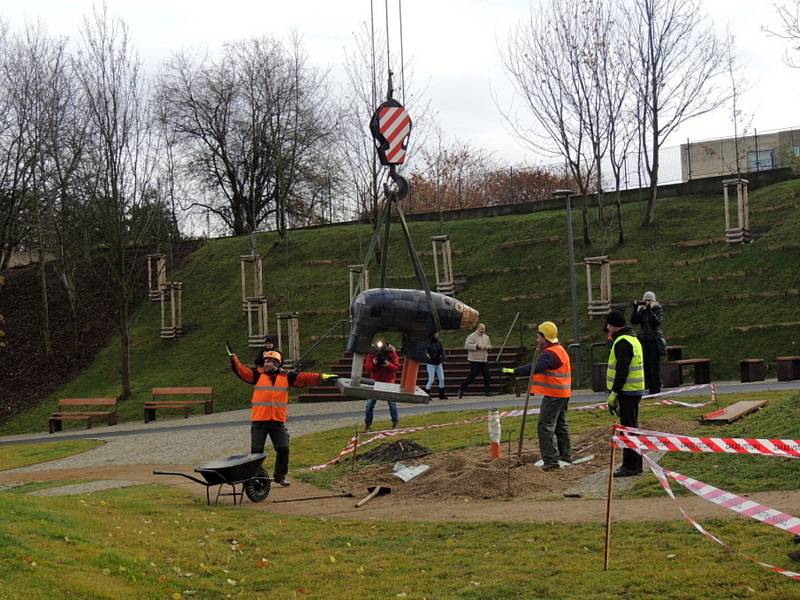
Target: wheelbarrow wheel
257,488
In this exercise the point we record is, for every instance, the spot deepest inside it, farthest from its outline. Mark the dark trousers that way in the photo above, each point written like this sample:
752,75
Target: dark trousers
629,416
554,441
474,369
277,432
652,365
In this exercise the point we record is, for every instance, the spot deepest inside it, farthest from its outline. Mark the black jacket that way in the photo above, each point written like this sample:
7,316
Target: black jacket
436,353
649,318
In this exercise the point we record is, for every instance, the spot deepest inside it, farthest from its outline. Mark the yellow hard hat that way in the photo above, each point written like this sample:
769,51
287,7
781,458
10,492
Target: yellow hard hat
549,330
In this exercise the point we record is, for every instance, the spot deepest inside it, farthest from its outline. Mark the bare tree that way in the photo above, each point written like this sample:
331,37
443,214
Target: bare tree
789,15
551,62
15,158
677,61
366,66
120,156
252,123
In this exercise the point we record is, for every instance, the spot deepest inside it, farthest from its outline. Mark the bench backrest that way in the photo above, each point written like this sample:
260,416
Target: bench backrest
183,391
691,361
63,402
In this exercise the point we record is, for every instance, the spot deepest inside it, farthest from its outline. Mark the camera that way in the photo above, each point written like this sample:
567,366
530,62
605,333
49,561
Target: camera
382,357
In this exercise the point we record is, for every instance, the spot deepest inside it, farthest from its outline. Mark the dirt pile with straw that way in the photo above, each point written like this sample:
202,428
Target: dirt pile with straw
471,474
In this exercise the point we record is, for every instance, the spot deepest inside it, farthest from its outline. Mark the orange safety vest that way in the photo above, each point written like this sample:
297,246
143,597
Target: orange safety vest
270,400
558,383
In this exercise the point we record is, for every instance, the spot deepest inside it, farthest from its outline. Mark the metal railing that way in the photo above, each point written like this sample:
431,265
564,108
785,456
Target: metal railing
340,323
508,334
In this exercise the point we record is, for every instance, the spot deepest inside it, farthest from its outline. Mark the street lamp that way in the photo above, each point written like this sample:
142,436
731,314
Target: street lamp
566,194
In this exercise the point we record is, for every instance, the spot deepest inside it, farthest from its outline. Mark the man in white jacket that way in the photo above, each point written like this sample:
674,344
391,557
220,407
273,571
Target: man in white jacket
478,346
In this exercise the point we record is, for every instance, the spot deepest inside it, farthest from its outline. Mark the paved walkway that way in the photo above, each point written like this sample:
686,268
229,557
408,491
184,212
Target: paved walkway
202,438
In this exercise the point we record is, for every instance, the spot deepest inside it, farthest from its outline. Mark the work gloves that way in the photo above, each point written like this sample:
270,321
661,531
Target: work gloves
507,371
329,376
613,406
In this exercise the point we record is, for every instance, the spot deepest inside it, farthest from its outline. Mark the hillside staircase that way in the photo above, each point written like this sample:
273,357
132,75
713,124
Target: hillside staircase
456,368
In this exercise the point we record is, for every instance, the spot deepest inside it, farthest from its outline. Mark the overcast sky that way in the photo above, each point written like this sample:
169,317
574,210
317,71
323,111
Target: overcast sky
454,47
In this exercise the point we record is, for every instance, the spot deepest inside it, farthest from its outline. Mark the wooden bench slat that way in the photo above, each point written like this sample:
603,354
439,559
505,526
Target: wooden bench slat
186,391
87,402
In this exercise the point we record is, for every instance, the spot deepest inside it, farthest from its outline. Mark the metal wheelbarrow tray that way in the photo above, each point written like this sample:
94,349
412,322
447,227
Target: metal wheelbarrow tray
240,469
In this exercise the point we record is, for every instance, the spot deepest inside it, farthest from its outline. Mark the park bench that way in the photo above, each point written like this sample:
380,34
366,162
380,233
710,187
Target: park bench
193,396
80,409
675,352
788,367
752,369
673,371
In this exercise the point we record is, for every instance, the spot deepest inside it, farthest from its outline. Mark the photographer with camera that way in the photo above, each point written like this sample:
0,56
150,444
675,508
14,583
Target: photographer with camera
382,364
649,314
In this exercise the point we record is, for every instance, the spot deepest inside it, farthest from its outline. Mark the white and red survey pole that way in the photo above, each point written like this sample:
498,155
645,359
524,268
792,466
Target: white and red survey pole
494,433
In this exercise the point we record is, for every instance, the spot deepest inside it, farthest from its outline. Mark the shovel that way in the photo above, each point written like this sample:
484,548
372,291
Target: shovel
378,490
340,495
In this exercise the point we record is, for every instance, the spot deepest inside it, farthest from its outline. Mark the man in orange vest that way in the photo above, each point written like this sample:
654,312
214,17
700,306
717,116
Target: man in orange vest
269,405
552,379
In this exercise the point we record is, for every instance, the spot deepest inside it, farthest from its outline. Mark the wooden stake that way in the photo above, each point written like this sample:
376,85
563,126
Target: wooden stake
525,410
608,505
508,466
355,447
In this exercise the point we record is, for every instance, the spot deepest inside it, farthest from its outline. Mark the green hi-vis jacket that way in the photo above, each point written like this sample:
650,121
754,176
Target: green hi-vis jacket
634,384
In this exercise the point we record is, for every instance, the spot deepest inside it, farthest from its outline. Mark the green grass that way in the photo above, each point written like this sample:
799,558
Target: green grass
21,455
154,542
212,287
741,473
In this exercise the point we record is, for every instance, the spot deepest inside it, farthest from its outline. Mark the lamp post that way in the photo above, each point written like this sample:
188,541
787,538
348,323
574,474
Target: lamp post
566,194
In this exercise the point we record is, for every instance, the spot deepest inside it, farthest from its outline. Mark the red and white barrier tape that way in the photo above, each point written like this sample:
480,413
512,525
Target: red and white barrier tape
728,500
642,439
681,390
388,433
506,413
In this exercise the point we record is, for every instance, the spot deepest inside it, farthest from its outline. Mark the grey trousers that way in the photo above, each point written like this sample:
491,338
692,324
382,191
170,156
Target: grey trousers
554,443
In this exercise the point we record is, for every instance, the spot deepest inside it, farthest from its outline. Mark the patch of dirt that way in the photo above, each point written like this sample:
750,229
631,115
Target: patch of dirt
470,474
394,451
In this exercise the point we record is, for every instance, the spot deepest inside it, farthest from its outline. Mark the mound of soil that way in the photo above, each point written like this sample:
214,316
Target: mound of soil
394,451
471,474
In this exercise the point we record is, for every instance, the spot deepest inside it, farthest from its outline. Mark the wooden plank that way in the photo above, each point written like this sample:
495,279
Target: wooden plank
697,243
734,412
745,328
529,242
87,402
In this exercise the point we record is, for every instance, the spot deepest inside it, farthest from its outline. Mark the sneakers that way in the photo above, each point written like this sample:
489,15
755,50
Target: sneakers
460,393
626,472
283,482
394,424
550,467
367,427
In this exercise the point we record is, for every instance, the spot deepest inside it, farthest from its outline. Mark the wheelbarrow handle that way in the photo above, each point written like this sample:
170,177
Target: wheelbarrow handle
200,481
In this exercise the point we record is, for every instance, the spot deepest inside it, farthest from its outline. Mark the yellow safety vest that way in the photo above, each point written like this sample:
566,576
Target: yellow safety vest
634,384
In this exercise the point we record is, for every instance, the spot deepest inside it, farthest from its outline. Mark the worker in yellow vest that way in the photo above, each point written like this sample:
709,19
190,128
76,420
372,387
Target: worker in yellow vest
552,380
269,405
625,383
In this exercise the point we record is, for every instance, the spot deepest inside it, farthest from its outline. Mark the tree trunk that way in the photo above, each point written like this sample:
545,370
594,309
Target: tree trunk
124,336
48,345
621,238
585,217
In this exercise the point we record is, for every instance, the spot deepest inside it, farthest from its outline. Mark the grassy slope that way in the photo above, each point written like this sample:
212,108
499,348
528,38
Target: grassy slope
212,287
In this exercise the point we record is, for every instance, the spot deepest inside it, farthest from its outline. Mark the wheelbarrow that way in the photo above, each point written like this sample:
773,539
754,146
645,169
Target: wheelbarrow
242,469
